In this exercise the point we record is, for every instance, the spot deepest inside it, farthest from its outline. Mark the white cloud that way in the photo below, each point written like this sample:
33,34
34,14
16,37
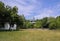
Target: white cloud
27,10
44,13
49,12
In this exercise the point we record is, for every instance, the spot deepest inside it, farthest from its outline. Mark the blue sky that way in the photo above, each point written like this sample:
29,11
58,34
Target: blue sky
36,8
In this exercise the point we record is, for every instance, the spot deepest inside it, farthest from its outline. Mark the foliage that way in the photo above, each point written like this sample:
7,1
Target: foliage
58,21
9,14
52,23
27,24
45,22
38,24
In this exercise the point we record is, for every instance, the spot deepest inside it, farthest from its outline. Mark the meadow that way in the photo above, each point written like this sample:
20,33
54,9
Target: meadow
30,35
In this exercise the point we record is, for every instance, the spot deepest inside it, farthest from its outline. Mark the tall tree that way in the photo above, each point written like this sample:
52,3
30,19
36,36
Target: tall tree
9,14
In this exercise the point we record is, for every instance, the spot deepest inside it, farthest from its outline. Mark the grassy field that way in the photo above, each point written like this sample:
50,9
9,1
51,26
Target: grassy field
30,35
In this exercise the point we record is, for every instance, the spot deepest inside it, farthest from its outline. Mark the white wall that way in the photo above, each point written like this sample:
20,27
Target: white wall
14,27
7,26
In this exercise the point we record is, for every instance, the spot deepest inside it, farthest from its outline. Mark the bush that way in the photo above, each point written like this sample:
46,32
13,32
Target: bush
52,25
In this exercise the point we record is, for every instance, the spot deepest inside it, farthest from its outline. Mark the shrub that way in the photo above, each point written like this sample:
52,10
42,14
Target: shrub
52,25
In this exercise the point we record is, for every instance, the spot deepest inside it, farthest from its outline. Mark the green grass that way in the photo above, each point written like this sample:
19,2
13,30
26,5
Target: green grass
30,35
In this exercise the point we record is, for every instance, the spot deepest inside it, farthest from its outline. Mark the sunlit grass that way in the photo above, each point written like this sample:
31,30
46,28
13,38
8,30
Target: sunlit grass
30,35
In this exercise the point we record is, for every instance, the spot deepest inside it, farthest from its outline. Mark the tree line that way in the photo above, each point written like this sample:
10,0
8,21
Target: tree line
46,22
9,14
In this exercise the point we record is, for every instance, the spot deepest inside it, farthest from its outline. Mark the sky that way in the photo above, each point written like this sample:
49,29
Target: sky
35,8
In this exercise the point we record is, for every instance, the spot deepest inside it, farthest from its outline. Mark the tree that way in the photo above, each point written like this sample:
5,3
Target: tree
21,21
9,14
58,21
45,22
2,10
38,24
52,23
27,24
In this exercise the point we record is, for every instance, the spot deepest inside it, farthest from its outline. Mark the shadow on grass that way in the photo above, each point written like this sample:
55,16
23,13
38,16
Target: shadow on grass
11,30
8,30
